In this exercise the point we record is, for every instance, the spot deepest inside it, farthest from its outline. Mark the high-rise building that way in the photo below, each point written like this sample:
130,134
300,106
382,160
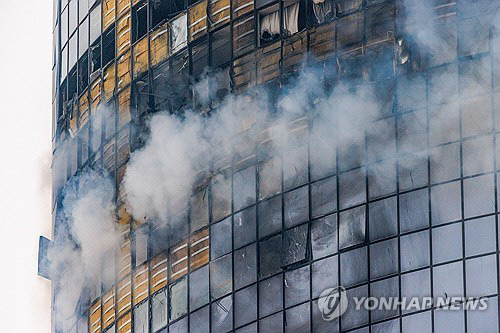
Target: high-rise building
409,209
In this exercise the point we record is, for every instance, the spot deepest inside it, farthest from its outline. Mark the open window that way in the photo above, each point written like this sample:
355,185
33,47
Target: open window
180,81
161,78
269,20
139,21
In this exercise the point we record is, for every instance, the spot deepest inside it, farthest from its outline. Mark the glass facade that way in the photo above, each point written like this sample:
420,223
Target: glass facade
405,211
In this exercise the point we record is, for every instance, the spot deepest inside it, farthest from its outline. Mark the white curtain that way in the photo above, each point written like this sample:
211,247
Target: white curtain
291,18
323,10
270,23
179,33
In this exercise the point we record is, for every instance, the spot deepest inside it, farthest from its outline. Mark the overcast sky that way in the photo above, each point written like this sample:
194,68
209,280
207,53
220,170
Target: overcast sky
25,127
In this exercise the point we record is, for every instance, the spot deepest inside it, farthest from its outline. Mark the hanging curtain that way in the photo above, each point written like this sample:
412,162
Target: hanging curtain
291,18
270,25
323,10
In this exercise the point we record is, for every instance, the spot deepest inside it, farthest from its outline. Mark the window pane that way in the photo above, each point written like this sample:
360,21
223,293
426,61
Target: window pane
141,318
245,305
383,218
270,252
270,295
296,206
415,250
444,285
479,196
352,188
324,275
384,258
352,227
382,179
83,35
221,276
245,266
416,284
199,321
244,188
178,299
221,197
414,210
273,323
198,288
295,245
141,246
270,216
477,155
297,319
445,163
295,167
220,238
480,236
159,310
297,286
447,243
481,276
446,203
324,236
413,172
324,197
95,24
269,177
354,267
222,315
244,228
199,210
352,317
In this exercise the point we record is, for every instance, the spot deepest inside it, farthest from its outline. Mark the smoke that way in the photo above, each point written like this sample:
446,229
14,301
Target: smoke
182,151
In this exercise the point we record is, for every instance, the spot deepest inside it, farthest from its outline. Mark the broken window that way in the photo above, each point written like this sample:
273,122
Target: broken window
197,20
269,24
180,82
221,47
222,315
179,33
159,310
295,245
95,24
323,10
161,79
141,246
141,96
95,59
139,21
72,87
141,318
83,73
178,299
199,58
350,31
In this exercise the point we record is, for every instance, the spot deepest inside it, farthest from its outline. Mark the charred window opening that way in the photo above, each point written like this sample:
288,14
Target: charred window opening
108,50
409,58
323,11
141,96
72,84
199,56
83,72
221,47
180,82
161,78
95,57
139,22
345,7
294,20
164,9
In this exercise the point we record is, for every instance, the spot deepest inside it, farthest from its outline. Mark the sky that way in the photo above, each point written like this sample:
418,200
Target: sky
25,134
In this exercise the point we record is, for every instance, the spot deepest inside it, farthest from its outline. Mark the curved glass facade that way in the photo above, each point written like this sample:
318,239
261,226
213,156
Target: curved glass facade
404,211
